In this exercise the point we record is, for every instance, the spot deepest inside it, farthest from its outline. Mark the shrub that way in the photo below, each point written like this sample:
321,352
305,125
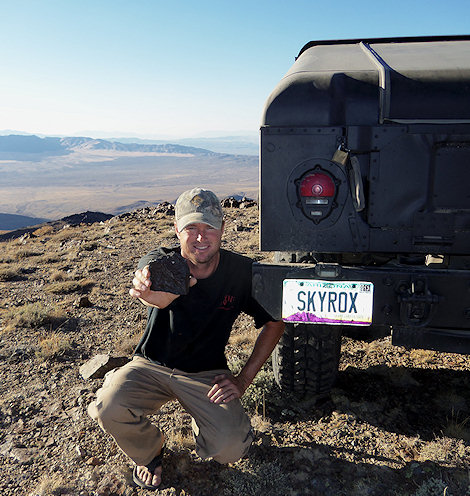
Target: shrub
49,259
180,438
52,346
33,315
10,273
432,487
245,338
441,449
254,398
458,429
58,275
261,388
42,231
50,485
26,253
127,344
67,287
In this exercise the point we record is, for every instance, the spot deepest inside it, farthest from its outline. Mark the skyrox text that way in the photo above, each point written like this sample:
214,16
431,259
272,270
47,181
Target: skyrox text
327,301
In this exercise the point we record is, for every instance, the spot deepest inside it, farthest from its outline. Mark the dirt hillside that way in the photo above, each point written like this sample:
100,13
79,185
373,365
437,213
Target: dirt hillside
396,422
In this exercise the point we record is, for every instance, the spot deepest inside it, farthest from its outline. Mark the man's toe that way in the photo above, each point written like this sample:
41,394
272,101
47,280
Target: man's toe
147,477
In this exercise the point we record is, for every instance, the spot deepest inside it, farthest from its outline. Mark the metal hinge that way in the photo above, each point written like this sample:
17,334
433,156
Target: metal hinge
417,303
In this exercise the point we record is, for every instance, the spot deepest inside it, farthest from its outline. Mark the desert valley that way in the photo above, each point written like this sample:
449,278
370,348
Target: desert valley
49,178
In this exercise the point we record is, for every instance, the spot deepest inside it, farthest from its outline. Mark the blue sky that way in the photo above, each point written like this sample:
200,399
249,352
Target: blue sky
176,67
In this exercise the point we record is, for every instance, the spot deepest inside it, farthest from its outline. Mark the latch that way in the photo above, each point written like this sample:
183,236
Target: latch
341,156
355,183
417,303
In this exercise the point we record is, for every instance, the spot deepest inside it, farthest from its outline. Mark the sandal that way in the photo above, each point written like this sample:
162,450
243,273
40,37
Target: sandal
156,462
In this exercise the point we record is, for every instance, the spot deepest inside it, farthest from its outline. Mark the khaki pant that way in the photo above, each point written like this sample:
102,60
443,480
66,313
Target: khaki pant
130,393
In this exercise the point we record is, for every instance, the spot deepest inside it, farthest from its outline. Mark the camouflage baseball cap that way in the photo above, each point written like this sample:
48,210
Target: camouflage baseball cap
198,205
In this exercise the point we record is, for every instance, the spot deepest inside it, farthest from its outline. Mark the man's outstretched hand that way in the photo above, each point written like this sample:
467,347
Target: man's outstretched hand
141,290
226,388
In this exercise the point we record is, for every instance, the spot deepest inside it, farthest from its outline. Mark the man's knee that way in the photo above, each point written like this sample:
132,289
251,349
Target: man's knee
107,410
111,399
227,447
100,413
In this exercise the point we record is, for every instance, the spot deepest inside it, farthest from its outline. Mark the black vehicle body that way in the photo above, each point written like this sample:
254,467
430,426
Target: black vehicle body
365,176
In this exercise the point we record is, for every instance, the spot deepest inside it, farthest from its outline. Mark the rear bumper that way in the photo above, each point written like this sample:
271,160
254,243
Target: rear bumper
426,307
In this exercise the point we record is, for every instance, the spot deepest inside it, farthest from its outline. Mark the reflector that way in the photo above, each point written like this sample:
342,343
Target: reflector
317,184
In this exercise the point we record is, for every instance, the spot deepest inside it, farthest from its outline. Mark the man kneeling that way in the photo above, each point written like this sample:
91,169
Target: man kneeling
182,352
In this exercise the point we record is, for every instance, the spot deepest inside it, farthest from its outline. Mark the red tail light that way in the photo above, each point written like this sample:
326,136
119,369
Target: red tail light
317,191
317,184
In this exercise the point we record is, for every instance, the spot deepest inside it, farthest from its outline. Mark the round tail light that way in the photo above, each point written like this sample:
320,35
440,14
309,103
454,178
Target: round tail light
317,192
317,185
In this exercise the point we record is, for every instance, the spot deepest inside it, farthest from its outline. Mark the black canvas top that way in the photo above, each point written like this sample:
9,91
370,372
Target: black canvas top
374,81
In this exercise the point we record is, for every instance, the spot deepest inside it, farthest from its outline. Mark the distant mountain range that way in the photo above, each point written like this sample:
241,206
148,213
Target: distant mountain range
23,146
52,177
233,145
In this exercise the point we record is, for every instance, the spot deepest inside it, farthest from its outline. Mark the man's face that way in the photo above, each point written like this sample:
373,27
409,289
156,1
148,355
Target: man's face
200,243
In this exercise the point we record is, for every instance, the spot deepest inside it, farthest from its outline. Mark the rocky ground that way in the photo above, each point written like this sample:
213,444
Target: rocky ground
396,422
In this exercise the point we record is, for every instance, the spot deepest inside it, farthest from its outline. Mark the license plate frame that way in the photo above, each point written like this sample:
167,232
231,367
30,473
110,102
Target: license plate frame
316,301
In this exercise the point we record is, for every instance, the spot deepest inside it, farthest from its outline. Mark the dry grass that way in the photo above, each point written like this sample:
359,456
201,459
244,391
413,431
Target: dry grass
50,485
33,315
42,231
58,275
66,234
245,338
10,273
260,423
423,357
432,487
48,258
23,253
53,345
15,251
67,287
180,438
7,253
451,402
440,450
458,428
128,344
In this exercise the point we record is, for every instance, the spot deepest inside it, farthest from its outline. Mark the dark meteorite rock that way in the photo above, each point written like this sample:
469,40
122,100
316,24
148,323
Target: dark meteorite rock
169,273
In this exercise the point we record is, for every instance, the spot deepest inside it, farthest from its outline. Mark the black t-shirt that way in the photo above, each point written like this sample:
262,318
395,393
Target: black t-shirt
191,333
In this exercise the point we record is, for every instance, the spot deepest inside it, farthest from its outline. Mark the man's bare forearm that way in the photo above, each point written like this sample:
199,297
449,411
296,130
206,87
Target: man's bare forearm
226,387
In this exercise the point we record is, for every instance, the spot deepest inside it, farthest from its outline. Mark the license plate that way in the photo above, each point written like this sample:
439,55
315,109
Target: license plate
327,302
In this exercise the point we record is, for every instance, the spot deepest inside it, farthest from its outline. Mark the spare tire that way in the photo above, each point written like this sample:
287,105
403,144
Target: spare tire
306,359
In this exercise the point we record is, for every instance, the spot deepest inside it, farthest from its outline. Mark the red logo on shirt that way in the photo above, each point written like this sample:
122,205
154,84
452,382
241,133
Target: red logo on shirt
227,303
